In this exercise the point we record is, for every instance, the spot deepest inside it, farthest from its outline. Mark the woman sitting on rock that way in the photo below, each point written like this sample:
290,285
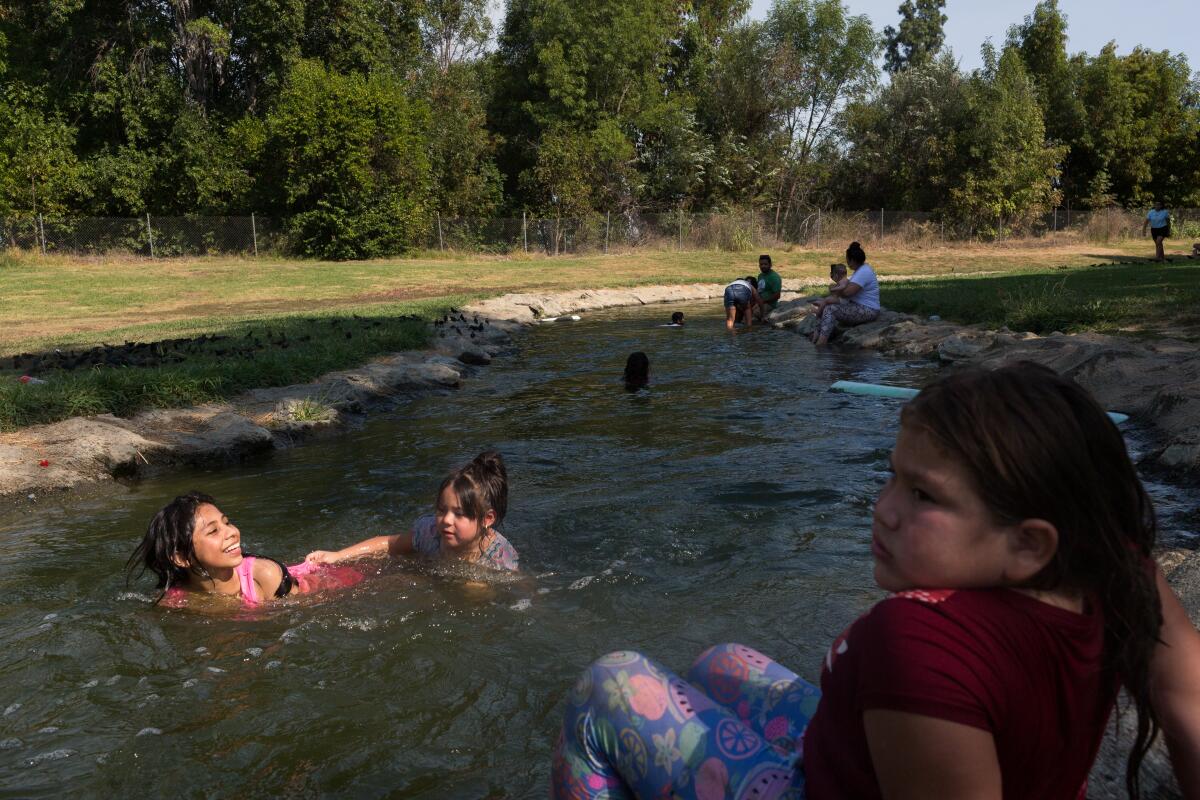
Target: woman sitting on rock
860,297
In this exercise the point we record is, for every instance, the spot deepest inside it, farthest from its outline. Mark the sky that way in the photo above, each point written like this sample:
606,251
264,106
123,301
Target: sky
1157,25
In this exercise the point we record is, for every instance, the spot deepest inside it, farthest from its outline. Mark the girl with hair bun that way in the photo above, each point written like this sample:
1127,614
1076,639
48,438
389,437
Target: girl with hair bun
470,502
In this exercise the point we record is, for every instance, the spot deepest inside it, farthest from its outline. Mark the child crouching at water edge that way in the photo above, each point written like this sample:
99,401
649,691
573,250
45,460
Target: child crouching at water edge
470,502
1016,539
192,547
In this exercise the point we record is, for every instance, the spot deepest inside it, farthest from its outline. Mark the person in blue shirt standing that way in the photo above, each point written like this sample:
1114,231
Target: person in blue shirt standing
1159,222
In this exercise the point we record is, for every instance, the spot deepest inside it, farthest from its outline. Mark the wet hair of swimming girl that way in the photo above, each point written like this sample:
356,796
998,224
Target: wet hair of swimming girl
480,487
168,543
169,550
637,371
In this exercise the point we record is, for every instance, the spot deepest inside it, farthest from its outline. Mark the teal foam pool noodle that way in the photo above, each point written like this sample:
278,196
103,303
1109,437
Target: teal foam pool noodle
907,393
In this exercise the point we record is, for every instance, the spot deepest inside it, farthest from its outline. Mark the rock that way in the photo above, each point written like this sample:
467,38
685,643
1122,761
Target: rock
475,357
224,436
965,346
790,313
1158,781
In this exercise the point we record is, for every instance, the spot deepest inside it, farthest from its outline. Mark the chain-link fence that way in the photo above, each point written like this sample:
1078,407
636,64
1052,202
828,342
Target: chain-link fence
160,237
156,237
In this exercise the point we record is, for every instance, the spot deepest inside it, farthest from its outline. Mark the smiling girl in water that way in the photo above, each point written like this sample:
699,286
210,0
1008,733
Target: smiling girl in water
192,547
1016,539
470,502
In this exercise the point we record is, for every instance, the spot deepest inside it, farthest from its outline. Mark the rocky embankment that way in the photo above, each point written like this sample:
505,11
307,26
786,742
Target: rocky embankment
1156,382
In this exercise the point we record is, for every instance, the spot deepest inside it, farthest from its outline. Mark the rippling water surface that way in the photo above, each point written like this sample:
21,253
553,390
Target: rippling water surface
731,501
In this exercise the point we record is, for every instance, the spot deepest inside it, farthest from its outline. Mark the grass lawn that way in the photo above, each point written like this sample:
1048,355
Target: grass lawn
285,321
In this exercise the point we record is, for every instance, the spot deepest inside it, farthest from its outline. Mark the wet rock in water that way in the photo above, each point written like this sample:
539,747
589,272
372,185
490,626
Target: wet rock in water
475,357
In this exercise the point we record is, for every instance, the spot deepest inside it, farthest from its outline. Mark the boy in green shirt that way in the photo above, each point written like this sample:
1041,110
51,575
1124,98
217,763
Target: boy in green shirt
770,286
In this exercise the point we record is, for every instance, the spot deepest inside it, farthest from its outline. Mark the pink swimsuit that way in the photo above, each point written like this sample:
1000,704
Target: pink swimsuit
309,577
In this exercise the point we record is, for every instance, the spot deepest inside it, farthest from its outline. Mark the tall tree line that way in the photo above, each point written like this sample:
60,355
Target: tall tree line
358,120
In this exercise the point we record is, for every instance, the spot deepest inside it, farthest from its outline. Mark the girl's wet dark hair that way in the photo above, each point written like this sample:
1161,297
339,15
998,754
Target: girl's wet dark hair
855,254
168,535
480,486
1037,446
637,370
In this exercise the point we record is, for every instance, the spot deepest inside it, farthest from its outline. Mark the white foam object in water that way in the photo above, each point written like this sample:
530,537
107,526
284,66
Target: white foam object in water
548,319
907,393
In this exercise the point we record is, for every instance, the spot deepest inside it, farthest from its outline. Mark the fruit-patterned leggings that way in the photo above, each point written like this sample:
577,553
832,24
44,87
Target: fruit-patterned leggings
733,729
846,313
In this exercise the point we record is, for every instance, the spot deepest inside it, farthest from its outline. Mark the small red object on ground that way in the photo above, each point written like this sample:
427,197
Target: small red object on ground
44,463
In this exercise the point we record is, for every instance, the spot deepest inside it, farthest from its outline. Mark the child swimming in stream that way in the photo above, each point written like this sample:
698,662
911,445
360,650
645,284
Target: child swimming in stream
194,548
1016,539
470,502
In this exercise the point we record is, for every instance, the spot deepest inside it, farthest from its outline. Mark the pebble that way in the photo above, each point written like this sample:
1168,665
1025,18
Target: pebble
150,732
254,652
9,744
215,669
49,729
14,708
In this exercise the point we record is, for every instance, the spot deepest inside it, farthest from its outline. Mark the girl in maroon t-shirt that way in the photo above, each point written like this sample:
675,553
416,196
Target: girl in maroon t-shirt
1016,538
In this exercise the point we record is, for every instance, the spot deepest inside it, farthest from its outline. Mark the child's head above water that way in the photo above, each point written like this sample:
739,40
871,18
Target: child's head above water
677,318
187,536
637,370
471,500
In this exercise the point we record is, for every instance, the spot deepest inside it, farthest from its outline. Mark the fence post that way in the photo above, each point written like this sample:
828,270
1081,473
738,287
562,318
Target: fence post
150,234
1056,219
42,233
254,233
441,244
881,225
524,231
607,225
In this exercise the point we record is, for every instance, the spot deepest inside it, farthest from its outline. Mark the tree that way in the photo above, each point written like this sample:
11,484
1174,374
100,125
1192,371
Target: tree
823,58
345,157
1006,168
919,37
454,35
902,142
38,169
584,69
